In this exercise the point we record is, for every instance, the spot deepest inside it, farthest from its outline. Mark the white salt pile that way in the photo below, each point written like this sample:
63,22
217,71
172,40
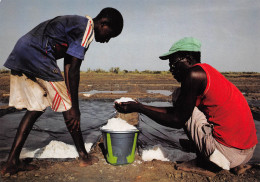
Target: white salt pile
154,153
55,149
124,99
118,124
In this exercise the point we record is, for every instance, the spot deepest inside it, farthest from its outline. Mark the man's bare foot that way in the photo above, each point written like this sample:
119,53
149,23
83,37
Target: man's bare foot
196,167
13,168
241,169
90,160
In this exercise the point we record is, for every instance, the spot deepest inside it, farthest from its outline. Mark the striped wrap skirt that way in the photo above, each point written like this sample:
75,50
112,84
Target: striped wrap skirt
35,94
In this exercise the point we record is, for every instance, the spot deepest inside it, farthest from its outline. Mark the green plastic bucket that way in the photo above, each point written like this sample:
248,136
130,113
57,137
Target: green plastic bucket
120,146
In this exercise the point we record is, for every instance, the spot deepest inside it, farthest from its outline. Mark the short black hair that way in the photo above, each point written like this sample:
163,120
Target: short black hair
191,55
115,17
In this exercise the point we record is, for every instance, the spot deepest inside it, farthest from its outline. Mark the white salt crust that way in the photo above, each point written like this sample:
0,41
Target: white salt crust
154,153
55,149
118,124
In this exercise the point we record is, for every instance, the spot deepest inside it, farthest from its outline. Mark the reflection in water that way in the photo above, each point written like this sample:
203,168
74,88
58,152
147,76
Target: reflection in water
163,92
92,92
98,91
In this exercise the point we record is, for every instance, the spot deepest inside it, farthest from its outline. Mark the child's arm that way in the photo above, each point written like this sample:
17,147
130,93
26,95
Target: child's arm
72,77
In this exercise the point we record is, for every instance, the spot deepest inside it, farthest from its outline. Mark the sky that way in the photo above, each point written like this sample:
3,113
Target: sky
229,30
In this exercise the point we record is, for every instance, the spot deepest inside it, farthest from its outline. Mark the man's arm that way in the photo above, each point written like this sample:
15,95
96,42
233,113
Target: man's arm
72,78
175,117
192,87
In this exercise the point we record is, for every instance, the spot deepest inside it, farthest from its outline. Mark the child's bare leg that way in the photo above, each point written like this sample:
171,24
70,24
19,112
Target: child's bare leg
84,157
13,165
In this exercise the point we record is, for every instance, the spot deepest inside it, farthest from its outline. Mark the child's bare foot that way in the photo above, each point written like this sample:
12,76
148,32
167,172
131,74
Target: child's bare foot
90,160
14,168
9,168
27,167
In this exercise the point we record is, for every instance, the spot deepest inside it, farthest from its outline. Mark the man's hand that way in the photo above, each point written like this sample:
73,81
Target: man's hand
72,119
127,107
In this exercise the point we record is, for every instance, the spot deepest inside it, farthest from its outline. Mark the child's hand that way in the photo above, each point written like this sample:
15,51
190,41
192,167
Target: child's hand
72,119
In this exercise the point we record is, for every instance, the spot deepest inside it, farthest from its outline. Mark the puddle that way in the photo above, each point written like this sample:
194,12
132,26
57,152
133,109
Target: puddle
3,104
97,92
255,103
163,92
92,92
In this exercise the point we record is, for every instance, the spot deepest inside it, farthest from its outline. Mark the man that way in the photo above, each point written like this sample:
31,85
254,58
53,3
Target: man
212,111
36,81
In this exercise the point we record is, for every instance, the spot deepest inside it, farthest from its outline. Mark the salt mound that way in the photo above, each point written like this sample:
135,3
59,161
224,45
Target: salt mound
118,124
155,153
124,99
55,149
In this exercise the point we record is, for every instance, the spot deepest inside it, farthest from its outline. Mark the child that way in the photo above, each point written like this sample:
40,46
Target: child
36,81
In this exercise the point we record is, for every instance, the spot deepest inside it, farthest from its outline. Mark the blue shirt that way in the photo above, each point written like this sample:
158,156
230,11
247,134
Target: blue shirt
36,52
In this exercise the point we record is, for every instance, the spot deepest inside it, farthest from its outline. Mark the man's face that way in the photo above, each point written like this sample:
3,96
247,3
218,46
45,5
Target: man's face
103,32
178,67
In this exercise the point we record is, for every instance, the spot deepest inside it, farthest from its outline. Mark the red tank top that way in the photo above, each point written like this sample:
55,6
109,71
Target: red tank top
227,109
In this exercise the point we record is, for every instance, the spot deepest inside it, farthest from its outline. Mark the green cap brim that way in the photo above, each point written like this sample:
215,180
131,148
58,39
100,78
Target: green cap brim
165,56
185,44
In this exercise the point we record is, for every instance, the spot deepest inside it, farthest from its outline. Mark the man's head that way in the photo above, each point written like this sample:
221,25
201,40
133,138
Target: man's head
107,24
182,55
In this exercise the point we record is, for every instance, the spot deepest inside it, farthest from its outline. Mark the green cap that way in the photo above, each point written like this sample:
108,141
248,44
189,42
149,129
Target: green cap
185,44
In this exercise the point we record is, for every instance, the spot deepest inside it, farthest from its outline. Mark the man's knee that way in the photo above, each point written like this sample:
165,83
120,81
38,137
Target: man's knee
196,121
200,132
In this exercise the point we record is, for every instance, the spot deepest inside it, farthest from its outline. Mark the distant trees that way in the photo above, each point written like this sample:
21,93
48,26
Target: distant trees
117,70
114,70
4,71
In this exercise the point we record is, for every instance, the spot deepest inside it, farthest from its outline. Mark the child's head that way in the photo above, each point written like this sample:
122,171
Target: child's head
107,24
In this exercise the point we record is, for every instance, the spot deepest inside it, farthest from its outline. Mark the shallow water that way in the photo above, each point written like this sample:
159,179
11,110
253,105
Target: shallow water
98,92
163,92
95,114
